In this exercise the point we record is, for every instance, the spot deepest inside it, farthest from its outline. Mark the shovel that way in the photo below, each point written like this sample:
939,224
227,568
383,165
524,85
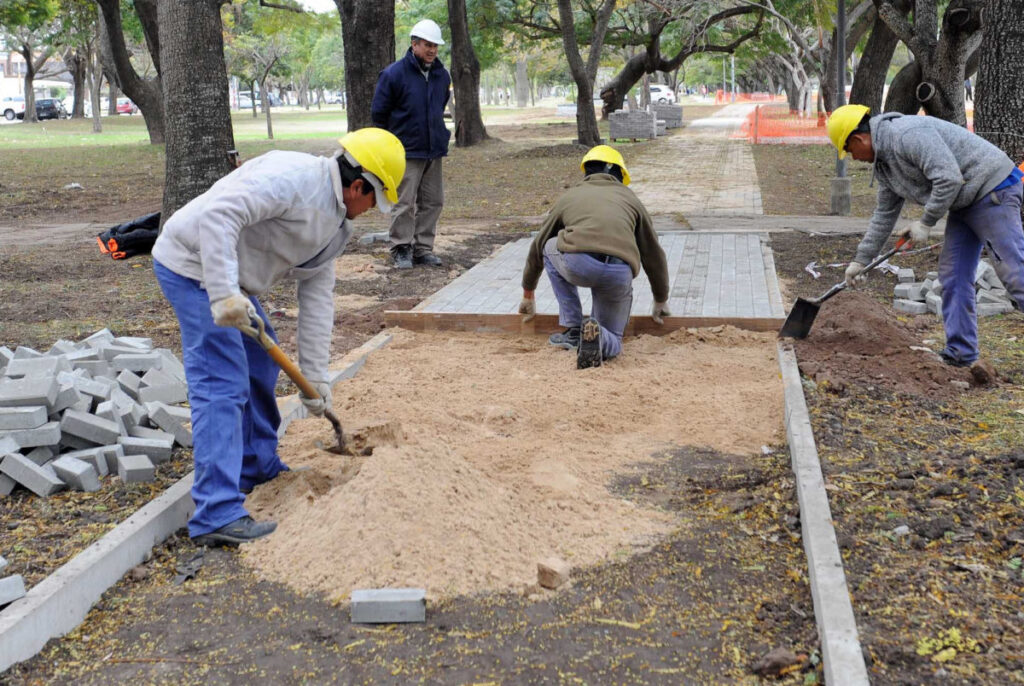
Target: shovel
801,317
295,375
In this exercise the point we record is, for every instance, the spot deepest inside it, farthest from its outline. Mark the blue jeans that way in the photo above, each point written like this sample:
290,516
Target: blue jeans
992,222
231,381
611,287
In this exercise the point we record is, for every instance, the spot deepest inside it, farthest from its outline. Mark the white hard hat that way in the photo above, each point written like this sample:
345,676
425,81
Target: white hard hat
427,30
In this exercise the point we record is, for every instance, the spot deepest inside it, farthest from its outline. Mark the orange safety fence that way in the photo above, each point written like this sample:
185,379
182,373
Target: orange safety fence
725,97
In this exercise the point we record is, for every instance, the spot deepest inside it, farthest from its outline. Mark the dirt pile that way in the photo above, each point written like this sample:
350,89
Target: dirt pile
492,452
856,340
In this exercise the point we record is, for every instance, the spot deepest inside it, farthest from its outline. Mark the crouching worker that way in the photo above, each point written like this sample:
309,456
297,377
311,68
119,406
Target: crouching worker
945,168
597,236
283,215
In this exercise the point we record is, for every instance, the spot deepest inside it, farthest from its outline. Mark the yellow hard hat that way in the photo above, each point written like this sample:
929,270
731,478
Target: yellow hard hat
608,155
381,154
842,123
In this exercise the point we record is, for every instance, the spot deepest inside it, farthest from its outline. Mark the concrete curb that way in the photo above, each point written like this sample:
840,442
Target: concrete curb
62,600
837,628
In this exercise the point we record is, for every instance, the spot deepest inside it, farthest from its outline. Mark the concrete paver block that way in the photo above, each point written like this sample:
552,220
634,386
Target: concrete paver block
61,347
100,338
47,434
7,485
110,453
170,394
144,344
989,309
37,366
157,377
909,306
110,351
157,449
26,417
991,297
934,302
41,454
909,291
171,364
146,432
130,383
6,355
135,468
905,275
3,563
11,588
90,427
69,442
30,390
23,352
8,445
41,481
137,362
77,355
161,415
389,605
93,456
94,388
68,396
76,474
94,367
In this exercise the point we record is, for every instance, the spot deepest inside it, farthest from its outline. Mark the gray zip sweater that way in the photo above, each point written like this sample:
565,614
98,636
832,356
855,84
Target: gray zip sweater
939,165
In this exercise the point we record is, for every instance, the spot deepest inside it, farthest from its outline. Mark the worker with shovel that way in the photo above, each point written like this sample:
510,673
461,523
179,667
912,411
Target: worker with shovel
945,168
597,236
283,215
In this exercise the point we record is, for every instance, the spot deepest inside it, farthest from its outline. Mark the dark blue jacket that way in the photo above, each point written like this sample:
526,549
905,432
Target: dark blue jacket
412,107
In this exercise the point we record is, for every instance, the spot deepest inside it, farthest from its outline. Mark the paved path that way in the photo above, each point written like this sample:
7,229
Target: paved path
699,170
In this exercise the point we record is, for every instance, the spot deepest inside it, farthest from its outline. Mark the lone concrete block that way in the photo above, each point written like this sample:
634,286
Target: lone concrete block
135,468
94,456
29,391
909,306
90,427
6,355
169,394
934,302
158,450
161,415
95,388
157,377
28,417
76,474
39,480
389,605
7,485
552,572
909,291
47,434
11,588
137,362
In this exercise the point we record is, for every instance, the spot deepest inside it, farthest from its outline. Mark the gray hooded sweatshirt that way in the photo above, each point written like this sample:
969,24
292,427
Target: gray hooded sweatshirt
939,165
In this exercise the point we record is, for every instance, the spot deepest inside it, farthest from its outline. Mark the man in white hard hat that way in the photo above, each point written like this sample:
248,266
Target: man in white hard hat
409,102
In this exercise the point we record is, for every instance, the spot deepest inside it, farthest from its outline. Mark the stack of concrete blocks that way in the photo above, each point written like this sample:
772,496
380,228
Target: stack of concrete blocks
83,410
672,115
920,297
633,125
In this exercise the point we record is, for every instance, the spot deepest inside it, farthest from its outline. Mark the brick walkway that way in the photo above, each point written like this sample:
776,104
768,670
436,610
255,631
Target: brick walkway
700,170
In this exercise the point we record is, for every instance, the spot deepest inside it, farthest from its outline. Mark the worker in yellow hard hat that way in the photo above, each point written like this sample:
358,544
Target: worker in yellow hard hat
283,215
597,236
951,172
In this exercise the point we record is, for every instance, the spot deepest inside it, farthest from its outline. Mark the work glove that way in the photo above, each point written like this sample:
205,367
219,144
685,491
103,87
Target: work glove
854,275
235,310
316,406
659,311
528,306
916,231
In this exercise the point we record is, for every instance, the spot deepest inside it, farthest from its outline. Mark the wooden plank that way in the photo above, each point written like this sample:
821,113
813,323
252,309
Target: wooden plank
414,320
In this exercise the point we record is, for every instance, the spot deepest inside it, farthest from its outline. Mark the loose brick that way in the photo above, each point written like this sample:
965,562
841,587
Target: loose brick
155,434
144,344
37,366
69,442
8,445
110,454
68,396
94,456
135,468
23,352
6,355
90,427
171,364
37,479
95,388
7,485
157,377
989,309
909,306
42,454
934,302
161,415
130,383
79,355
552,572
100,338
94,367
27,417
905,275
47,434
11,588
3,563
157,449
61,347
909,291
389,605
137,362
77,474
29,391
169,394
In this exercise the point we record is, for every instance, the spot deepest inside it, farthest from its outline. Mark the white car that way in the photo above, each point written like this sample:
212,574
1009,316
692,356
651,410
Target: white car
662,94
13,106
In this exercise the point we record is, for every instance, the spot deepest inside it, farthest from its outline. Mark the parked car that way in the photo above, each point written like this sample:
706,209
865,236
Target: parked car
126,106
244,101
662,94
50,108
13,107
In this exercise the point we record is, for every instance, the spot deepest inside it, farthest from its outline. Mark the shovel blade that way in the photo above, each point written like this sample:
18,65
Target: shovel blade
801,317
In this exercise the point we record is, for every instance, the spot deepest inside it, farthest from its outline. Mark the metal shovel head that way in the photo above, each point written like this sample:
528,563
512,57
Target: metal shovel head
801,317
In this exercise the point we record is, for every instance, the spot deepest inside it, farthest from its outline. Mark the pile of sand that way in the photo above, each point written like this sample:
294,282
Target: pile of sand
492,452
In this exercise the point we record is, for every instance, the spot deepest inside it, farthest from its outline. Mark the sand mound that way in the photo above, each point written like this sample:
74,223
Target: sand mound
492,452
857,340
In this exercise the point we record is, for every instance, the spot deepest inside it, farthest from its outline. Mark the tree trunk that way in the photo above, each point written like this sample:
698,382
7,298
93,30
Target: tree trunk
870,75
195,92
95,89
614,92
469,123
77,63
857,24
522,83
30,76
584,73
368,32
265,104
999,99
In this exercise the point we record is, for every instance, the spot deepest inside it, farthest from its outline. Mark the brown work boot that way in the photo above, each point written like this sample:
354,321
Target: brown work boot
588,354
983,373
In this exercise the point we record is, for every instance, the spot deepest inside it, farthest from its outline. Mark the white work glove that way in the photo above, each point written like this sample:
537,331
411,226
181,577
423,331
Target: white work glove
916,231
528,306
316,406
854,275
235,310
659,311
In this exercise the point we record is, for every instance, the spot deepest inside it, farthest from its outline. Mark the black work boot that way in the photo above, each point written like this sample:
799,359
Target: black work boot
427,259
568,339
589,353
402,255
242,530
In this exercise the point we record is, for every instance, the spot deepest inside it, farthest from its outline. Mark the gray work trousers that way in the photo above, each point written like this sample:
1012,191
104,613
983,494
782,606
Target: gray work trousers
420,199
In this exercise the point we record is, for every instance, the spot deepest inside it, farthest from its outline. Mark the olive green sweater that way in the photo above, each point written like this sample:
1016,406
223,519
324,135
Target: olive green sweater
600,215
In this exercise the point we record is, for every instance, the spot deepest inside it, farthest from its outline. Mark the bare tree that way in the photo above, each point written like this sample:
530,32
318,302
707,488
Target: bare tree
465,70
368,32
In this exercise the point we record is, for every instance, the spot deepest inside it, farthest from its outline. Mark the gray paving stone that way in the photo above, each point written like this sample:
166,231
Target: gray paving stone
7,485
389,605
61,347
94,456
909,291
69,442
47,434
77,474
110,454
135,468
36,366
137,362
158,450
8,445
145,344
42,454
155,434
130,383
90,427
29,391
79,355
161,415
989,309
37,479
25,417
991,298
68,396
6,355
157,377
3,563
905,275
94,388
23,352
11,588
909,306
934,302
100,338
94,367
169,394
171,364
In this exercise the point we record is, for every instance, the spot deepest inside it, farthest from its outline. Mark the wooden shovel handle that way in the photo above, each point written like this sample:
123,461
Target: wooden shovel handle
259,332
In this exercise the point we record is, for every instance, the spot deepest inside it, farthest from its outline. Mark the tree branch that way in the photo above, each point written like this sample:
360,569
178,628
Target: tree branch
899,25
